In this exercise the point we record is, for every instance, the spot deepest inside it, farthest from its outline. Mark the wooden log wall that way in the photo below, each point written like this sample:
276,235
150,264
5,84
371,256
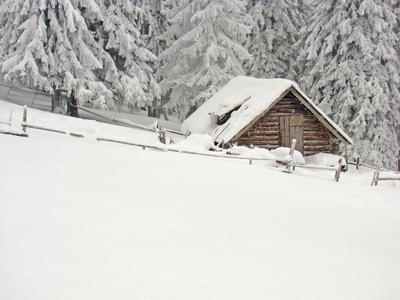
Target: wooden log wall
265,132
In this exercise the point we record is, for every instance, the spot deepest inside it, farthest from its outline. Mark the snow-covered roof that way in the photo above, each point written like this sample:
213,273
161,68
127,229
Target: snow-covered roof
254,97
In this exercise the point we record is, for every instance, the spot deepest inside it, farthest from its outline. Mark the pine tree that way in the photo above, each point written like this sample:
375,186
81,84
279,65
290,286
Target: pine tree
150,22
352,72
90,49
204,50
53,48
274,37
130,71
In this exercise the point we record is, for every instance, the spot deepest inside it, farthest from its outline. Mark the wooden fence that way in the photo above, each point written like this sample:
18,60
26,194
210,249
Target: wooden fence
378,172
290,164
25,96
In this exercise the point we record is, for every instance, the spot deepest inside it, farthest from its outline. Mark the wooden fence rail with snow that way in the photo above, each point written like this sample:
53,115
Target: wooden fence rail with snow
377,176
289,164
15,127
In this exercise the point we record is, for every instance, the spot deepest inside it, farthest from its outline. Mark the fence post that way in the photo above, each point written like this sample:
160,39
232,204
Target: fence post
24,118
338,170
357,162
291,154
375,177
161,134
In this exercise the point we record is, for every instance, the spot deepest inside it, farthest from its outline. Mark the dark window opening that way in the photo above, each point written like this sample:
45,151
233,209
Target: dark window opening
223,119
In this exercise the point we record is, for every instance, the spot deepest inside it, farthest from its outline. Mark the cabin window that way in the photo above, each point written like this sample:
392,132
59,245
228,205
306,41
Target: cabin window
222,119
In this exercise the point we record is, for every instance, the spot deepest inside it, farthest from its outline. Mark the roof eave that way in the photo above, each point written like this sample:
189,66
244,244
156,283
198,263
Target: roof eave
236,136
323,118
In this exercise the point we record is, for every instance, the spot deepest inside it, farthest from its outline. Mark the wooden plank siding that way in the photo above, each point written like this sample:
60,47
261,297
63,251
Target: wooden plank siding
266,132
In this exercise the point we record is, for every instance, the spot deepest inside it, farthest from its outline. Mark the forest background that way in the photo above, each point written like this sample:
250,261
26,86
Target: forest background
169,56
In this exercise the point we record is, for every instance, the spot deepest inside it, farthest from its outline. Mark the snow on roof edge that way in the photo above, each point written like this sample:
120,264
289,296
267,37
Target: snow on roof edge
325,116
233,93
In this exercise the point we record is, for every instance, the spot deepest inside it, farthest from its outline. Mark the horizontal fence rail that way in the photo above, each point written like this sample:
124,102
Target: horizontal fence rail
289,163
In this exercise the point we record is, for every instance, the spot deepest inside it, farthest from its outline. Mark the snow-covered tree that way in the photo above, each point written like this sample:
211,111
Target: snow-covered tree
130,72
91,48
352,72
273,39
51,47
204,50
151,23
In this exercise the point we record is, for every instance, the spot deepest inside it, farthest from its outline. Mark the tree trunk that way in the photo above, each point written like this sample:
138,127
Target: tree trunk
72,105
55,99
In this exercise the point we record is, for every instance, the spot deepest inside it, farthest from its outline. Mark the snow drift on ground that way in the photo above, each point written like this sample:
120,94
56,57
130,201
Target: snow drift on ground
81,219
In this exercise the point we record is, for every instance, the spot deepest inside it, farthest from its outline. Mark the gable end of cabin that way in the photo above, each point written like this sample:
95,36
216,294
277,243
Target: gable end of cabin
289,119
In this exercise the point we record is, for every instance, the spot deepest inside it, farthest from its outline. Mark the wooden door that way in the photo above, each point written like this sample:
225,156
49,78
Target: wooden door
291,127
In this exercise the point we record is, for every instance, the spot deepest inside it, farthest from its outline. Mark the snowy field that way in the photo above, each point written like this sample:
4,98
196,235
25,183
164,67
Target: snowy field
82,219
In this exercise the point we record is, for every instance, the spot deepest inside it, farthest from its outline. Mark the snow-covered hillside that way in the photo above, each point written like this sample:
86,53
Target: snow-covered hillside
82,219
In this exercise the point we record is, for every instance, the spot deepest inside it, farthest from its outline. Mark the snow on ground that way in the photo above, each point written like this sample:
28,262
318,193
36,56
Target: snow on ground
81,219
89,128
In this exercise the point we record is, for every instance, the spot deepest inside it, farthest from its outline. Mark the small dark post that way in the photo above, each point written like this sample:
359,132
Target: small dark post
398,162
24,118
161,134
55,99
72,107
358,162
375,178
338,170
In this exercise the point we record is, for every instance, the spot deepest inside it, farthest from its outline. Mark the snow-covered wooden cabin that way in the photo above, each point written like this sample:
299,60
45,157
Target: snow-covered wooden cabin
267,113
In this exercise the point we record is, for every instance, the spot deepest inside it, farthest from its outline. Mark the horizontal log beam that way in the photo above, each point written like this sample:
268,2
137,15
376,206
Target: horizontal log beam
314,127
318,149
264,130
317,138
268,119
317,143
259,138
265,146
267,125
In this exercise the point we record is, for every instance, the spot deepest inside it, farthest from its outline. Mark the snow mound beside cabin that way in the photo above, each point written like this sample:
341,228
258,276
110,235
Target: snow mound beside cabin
324,159
194,142
283,153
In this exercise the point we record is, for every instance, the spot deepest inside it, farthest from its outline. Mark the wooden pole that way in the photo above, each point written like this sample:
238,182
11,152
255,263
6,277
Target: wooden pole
34,98
338,170
291,154
55,99
161,134
358,162
24,118
375,177
72,107
398,162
